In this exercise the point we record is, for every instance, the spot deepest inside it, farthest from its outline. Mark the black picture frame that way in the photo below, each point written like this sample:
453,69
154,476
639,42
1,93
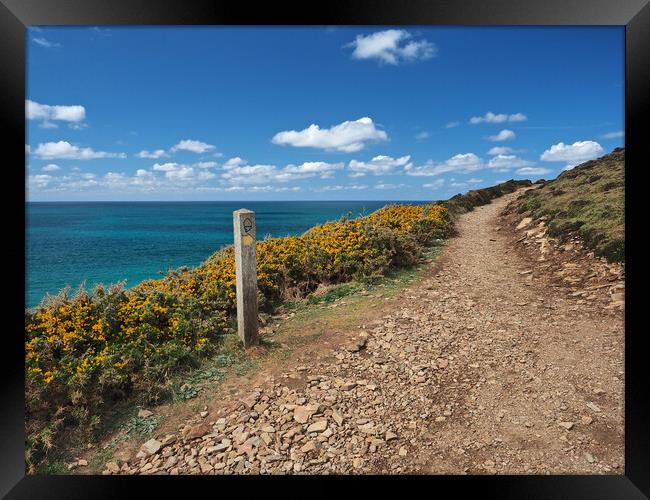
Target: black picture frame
16,15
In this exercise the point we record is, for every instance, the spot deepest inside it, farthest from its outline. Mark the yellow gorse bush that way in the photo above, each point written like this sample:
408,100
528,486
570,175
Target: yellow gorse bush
398,217
326,253
122,340
428,221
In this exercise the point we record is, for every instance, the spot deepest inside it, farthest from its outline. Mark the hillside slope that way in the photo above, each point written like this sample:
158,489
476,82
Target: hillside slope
588,200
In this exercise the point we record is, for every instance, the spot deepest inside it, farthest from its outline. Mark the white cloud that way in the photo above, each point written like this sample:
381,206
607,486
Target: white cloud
506,162
209,189
517,117
499,150
48,114
379,165
185,173
65,150
78,182
234,162
349,136
533,171
39,181
77,126
206,164
176,171
452,124
490,117
389,186
270,189
391,47
474,181
504,135
343,187
114,179
158,153
193,146
75,113
255,189
47,124
181,173
165,167
184,145
465,162
462,163
250,174
171,177
614,135
44,42
420,136
435,184
428,169
575,153
310,169
63,183
51,167
237,171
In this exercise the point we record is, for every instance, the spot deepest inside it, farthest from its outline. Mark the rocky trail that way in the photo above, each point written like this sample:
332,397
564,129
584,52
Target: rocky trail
502,360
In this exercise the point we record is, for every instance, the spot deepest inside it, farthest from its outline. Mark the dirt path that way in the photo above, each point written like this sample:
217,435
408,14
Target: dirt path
481,368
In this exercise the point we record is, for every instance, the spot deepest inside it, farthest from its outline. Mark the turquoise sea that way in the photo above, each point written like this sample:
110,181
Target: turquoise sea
68,243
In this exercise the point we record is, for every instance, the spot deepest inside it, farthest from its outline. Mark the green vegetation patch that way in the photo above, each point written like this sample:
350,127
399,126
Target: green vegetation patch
143,426
334,293
587,201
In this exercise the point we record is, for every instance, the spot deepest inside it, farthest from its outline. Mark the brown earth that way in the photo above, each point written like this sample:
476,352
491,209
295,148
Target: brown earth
506,357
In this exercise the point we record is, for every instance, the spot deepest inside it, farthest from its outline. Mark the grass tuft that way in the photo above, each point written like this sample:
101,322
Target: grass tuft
587,201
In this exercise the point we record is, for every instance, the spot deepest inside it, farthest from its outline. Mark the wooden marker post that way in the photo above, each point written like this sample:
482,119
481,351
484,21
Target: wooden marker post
246,273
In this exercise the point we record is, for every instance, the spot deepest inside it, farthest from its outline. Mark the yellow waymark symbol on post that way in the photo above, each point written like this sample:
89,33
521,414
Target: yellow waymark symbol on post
247,239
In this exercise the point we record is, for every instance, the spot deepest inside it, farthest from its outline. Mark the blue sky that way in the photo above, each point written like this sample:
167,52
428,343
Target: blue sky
365,113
